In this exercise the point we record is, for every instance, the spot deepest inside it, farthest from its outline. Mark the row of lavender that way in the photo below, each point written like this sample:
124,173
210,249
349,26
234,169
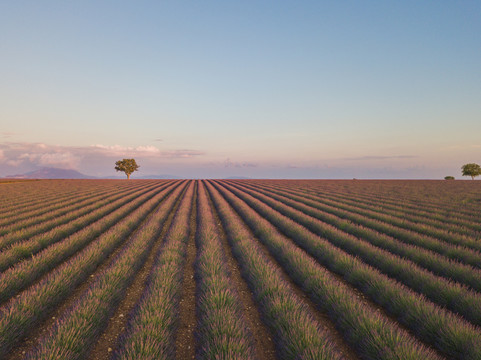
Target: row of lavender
19,245
435,200
150,332
444,215
221,331
456,336
43,281
55,250
362,326
219,310
80,325
439,221
458,262
38,196
331,252
59,208
326,224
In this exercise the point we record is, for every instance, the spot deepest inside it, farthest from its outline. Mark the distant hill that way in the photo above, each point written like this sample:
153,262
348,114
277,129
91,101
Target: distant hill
51,173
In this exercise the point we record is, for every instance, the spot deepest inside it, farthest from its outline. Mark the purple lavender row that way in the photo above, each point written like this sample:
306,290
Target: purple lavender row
46,205
23,312
432,261
60,224
400,228
457,224
368,246
452,251
73,334
371,334
32,196
23,274
446,331
21,250
445,203
28,196
152,327
53,209
415,195
296,333
222,331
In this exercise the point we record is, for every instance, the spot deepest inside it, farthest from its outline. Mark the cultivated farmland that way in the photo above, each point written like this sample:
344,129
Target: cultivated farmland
240,269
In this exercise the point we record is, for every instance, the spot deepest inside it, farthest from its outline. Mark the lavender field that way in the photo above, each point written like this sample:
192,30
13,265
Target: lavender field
240,269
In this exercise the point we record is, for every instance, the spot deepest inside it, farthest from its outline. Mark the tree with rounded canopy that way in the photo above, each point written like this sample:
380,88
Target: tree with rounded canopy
471,169
128,166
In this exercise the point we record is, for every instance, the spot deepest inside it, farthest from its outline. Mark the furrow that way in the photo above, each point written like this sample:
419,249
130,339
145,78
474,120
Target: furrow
108,341
222,329
27,272
151,329
74,333
454,251
56,227
185,342
444,292
428,259
48,212
23,312
34,196
400,227
295,332
408,194
434,325
461,225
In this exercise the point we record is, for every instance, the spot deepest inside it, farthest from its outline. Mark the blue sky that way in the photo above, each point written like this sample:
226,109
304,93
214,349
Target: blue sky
306,89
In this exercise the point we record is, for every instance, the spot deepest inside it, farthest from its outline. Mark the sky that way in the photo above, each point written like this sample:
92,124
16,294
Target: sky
261,89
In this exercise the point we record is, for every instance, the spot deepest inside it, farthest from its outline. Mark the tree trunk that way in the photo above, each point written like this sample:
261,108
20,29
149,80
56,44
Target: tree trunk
128,176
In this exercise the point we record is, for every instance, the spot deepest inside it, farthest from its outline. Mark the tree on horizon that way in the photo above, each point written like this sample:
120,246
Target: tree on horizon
471,169
128,166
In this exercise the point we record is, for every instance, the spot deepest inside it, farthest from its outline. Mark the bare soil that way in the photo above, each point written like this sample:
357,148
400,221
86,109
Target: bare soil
264,345
361,297
185,342
108,340
42,329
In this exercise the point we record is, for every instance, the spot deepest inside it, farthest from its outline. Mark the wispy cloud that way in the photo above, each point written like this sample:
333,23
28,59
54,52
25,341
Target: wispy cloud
183,153
387,157
125,150
7,134
51,158
71,157
228,163
146,151
15,154
464,147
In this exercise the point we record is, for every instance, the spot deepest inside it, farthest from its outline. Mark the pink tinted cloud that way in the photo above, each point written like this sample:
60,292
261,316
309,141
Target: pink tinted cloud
15,154
146,151
229,163
55,157
381,157
71,157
